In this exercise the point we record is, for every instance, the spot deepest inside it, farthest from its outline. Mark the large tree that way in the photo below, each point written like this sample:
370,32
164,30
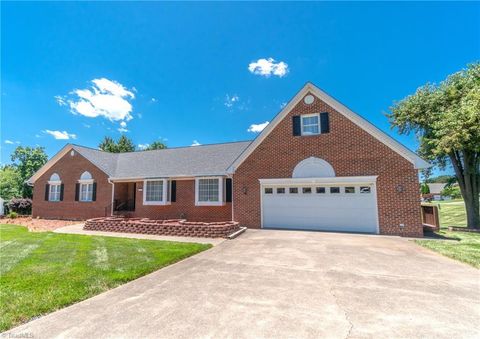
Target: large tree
446,119
123,144
11,185
28,160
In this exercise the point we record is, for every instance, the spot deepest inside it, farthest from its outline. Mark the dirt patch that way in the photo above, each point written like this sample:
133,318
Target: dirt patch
38,225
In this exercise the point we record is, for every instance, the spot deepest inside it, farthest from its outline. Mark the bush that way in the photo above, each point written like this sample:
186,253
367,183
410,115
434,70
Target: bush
451,191
12,215
20,206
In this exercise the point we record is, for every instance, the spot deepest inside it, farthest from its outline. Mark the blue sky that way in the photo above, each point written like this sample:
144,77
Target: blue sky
180,72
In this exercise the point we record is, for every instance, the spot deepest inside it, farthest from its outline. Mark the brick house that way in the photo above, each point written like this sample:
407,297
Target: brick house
316,166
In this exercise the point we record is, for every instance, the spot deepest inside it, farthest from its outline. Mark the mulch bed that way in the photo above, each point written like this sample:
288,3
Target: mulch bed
37,224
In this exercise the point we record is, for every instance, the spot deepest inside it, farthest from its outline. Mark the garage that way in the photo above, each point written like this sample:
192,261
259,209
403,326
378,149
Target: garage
341,204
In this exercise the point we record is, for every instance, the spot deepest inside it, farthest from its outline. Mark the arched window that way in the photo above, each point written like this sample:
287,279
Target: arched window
54,188
313,168
86,187
54,177
86,176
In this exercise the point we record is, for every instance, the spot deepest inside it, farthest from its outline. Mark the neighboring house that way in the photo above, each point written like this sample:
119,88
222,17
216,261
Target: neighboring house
316,166
436,190
2,208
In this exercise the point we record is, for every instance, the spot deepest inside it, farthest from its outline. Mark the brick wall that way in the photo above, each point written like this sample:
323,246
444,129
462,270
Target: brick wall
70,168
350,150
183,208
163,227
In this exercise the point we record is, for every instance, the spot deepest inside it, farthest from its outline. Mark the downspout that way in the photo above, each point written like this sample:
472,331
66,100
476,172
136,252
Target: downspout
113,192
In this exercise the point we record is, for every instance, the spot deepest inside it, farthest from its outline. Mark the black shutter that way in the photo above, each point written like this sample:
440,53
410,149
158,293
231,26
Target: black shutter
228,190
61,192
94,192
77,191
47,191
324,123
173,191
297,129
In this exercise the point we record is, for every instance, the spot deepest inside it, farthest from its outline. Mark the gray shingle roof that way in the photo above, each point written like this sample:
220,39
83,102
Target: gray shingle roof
203,160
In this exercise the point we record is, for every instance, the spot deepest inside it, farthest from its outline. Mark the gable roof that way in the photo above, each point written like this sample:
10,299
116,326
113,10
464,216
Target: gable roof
342,109
193,161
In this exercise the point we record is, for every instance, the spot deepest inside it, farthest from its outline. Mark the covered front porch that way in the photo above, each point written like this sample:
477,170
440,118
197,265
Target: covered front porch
123,198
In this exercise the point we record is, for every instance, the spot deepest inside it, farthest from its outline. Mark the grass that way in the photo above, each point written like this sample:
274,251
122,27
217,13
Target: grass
462,246
43,272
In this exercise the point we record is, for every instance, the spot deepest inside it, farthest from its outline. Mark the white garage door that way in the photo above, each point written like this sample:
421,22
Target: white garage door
344,207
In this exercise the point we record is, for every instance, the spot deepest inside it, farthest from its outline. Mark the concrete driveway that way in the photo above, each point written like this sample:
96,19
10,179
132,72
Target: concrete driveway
286,284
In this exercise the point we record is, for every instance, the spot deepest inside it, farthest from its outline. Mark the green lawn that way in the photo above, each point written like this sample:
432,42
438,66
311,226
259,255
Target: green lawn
461,246
42,272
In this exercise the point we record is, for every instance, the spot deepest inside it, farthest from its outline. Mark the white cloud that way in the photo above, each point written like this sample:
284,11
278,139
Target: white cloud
257,128
105,98
153,100
10,142
122,130
231,100
123,124
59,135
87,125
123,127
60,100
195,143
143,146
268,67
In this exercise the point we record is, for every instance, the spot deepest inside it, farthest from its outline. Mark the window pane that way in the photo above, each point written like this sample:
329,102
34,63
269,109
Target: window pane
307,190
349,189
293,190
268,190
281,190
54,193
320,190
86,192
334,189
154,191
365,189
208,190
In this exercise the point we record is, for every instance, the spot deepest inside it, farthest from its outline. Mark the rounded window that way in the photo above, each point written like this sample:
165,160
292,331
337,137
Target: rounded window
55,177
86,176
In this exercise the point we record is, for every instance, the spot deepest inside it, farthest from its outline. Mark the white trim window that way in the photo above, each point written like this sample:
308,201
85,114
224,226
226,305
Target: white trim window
209,191
54,192
86,191
55,188
155,192
310,124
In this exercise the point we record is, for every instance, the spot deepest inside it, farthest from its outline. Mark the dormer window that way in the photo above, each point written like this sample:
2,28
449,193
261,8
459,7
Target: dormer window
310,124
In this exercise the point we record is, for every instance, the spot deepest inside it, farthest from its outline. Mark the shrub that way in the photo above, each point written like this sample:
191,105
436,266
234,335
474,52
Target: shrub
20,206
451,191
12,215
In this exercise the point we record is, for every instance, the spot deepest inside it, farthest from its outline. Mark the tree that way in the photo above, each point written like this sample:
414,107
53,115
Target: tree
442,179
123,144
156,145
446,119
424,189
11,185
108,145
28,160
